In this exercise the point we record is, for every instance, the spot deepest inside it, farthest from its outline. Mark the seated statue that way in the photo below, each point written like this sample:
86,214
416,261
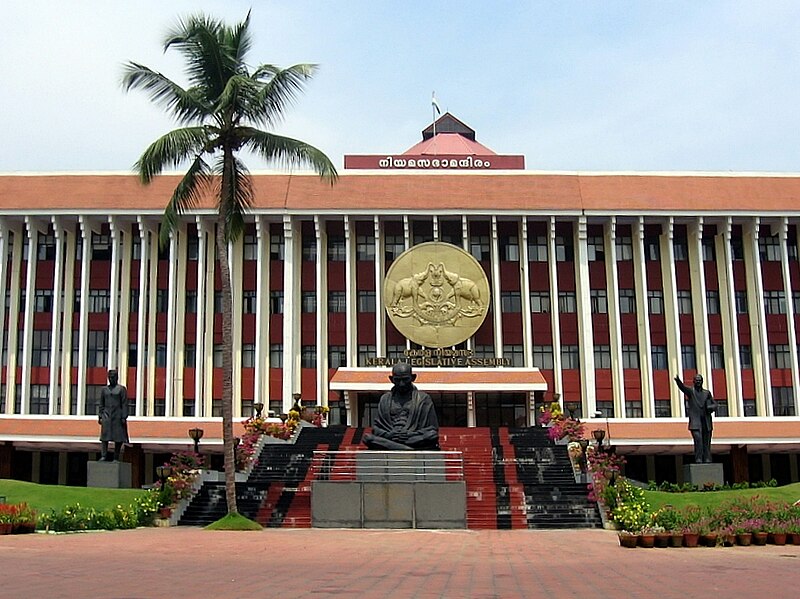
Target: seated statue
406,419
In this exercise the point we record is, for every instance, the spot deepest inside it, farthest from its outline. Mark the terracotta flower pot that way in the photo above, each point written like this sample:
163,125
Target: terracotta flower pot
5,528
691,539
760,538
744,539
793,538
629,541
729,540
777,538
662,540
709,540
647,541
676,540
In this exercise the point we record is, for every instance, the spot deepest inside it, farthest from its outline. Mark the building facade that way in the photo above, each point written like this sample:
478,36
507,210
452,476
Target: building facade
603,287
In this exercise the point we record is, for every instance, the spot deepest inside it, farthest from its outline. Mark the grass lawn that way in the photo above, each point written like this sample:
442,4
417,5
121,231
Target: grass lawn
657,499
43,498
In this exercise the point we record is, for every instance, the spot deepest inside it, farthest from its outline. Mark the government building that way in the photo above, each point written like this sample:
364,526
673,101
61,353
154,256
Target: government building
592,289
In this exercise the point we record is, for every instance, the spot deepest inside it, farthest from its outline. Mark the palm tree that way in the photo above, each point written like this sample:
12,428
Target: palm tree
220,113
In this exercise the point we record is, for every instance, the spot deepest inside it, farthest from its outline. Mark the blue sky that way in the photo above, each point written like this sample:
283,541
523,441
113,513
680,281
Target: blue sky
588,86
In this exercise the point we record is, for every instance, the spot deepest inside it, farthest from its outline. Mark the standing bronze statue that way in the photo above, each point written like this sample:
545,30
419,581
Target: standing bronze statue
113,417
406,418
699,407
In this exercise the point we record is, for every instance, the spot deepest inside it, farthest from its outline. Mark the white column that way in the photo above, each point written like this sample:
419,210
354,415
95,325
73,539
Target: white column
435,227
350,292
13,319
380,315
555,321
201,361
58,318
614,319
758,319
149,301
525,287
83,330
494,261
730,319
700,308
291,311
141,332
322,311
113,312
671,314
790,313
68,311
126,245
27,327
584,305
642,313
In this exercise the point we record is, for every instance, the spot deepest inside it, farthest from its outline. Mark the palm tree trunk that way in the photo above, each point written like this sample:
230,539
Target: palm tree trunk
227,366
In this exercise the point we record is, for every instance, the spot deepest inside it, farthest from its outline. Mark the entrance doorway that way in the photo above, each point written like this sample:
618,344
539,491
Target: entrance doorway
451,408
500,409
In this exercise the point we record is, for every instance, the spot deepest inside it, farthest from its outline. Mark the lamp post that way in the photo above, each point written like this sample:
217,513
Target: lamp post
599,434
195,434
163,472
572,407
258,407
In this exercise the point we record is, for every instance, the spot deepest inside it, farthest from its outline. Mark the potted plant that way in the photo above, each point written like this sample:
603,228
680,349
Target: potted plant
628,539
670,520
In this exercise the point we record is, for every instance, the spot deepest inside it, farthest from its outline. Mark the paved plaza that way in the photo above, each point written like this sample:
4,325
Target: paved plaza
194,563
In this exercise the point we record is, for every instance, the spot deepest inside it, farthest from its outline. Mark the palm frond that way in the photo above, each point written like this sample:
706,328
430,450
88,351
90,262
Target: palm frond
184,104
287,152
193,185
236,194
172,149
241,40
278,92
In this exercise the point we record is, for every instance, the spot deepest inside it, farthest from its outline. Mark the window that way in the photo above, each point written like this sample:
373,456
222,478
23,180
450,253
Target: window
276,302
745,356
791,248
46,247
101,247
192,247
218,302
680,249
99,300
191,301
769,249
537,248
737,248
336,301
542,356
749,406
717,356
250,247
133,354
308,301
606,408
709,249
189,355
740,297
134,300
796,301
510,301
684,301
40,348
484,351
366,301
514,353
602,356
540,302
688,357
633,409
396,351
630,356
722,408
663,408
217,355
595,249
652,249
276,247
774,302
336,248
564,250
779,356
97,346
188,407
624,247
249,302
365,247
599,301
394,245
566,302
337,356
308,356
783,401
309,248
658,354
162,301
509,248
276,355
40,399
627,301
161,355
655,301
570,356
479,247
712,301
248,355
43,300
365,352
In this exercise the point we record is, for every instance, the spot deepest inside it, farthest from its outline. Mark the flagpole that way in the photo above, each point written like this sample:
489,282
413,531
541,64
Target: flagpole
433,113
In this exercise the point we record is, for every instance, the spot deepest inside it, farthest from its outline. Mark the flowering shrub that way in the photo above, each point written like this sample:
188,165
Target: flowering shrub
77,517
319,415
605,467
19,516
548,413
631,511
565,427
184,466
256,426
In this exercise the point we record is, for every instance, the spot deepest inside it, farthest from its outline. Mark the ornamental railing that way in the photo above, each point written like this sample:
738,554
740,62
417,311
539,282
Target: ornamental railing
388,466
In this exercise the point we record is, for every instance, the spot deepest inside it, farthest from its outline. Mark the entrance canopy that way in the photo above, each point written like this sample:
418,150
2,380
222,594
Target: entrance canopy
480,380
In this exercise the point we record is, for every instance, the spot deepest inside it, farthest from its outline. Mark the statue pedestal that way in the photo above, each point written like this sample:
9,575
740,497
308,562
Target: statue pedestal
400,466
703,474
110,475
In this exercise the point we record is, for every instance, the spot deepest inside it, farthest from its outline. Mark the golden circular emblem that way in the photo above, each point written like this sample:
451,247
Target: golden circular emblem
436,294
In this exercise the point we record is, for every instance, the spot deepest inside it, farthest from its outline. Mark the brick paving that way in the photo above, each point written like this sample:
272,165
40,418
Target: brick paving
193,563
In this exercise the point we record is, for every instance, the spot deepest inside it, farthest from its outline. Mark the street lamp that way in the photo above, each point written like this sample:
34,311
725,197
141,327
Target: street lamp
599,434
163,472
258,407
572,407
195,434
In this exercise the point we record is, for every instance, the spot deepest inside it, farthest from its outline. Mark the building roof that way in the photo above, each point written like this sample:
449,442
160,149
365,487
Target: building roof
393,192
451,144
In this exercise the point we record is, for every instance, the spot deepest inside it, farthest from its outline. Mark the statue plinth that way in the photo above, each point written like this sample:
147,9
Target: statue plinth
703,474
109,475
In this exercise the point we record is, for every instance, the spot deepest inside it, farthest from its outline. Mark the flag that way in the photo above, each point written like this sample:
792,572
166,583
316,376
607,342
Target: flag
435,104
